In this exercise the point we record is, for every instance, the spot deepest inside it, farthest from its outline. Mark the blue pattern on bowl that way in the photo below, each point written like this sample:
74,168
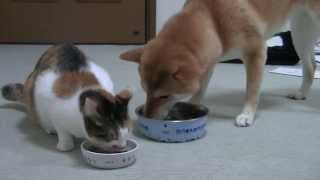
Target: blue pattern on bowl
172,131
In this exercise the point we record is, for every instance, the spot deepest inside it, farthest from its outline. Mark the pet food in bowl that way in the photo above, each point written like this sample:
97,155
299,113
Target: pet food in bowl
106,160
185,122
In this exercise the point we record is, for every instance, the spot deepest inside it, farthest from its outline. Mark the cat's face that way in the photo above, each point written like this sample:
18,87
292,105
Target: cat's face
106,118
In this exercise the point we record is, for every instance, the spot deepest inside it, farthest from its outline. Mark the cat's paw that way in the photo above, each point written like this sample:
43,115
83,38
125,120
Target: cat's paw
245,120
297,96
64,147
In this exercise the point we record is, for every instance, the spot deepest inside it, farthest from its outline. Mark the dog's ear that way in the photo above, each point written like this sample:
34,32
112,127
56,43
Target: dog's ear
133,55
186,73
178,75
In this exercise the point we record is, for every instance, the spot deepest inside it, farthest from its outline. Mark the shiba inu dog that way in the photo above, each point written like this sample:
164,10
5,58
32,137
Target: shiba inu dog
179,62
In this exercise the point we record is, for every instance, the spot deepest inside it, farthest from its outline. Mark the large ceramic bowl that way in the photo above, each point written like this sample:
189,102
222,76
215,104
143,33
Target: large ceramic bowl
110,161
173,130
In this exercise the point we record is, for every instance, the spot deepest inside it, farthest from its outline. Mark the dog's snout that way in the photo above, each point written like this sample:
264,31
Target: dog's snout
150,108
148,111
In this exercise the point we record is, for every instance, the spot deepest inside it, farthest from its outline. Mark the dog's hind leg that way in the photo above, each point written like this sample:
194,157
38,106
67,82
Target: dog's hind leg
305,33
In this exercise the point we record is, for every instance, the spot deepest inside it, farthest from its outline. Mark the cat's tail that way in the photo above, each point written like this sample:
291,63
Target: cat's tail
13,92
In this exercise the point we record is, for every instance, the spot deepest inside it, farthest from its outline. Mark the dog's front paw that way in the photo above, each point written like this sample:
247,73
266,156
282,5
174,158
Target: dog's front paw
245,120
297,96
64,147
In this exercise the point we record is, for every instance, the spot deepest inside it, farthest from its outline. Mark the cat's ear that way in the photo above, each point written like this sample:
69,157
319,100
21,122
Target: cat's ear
95,102
90,110
133,55
89,107
124,97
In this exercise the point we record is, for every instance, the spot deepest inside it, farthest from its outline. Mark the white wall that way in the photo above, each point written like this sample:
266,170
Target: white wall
165,9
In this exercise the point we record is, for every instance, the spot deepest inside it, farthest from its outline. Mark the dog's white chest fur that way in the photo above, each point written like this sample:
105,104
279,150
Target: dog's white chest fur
61,113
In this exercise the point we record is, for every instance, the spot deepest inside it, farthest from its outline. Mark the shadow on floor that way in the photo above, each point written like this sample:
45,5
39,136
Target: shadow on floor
14,106
36,136
227,105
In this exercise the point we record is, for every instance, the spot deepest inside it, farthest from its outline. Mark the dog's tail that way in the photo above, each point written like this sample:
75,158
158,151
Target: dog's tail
13,92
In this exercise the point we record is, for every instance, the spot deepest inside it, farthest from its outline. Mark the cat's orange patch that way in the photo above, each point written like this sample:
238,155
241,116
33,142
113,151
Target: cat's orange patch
68,83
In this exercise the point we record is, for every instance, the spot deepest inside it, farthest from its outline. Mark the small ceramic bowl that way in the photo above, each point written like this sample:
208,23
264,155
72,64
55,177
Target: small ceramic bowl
174,131
110,161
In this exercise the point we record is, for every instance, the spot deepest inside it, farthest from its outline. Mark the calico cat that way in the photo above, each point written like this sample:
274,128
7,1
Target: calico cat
73,97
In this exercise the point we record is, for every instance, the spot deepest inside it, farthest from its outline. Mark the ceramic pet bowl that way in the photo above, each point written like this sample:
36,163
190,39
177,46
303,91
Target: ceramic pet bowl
109,161
185,122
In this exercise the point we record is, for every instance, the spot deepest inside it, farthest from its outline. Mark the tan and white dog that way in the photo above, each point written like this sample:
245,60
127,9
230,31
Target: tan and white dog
179,62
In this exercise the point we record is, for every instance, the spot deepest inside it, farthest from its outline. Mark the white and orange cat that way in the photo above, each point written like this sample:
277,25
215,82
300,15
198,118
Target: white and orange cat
73,97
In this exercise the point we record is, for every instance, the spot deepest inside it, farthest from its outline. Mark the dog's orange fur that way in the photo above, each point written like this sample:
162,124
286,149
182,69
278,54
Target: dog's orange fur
193,41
